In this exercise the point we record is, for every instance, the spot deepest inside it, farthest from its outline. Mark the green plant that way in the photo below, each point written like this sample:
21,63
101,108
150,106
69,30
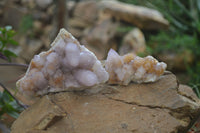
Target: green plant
194,72
183,15
6,39
26,23
172,42
9,105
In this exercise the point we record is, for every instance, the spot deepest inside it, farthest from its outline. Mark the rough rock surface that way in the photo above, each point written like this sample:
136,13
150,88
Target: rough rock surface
86,11
84,14
141,108
142,17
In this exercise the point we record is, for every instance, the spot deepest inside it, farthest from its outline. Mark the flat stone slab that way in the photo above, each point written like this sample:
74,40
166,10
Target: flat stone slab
160,107
142,17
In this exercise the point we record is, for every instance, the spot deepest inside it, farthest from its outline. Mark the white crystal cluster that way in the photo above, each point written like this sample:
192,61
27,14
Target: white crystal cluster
70,66
67,65
127,68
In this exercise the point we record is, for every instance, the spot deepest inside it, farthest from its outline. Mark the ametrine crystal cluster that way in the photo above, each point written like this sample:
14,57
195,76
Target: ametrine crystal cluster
67,65
70,66
127,68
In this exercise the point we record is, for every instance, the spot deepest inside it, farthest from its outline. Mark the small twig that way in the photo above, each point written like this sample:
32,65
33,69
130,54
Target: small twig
14,64
23,106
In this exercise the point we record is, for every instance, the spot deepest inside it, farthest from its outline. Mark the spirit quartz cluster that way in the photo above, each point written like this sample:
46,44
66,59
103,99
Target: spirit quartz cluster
70,66
67,65
127,68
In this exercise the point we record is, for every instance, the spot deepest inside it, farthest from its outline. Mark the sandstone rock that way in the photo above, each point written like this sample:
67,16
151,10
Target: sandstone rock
49,34
133,42
28,51
103,15
70,6
86,11
188,92
38,27
141,17
141,108
43,3
41,16
99,37
76,32
78,23
12,15
51,10
31,4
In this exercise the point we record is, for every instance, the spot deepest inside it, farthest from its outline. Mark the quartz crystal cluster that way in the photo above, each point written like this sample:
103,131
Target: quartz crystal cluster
67,65
127,68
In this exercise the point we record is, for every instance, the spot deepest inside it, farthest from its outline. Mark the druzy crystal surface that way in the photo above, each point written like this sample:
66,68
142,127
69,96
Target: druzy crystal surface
127,68
69,66
66,66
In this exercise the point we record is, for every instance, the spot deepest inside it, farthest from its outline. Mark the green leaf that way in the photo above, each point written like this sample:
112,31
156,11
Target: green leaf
11,33
3,31
13,42
178,24
196,89
13,114
26,23
14,104
8,53
8,107
182,7
6,97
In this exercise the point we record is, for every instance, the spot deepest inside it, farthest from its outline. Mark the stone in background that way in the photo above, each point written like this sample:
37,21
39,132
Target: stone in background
133,42
95,23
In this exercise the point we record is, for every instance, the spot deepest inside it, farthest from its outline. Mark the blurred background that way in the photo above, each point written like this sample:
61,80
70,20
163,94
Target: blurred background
169,30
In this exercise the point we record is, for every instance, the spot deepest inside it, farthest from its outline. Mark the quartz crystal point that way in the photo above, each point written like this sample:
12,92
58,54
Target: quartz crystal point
66,66
127,68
